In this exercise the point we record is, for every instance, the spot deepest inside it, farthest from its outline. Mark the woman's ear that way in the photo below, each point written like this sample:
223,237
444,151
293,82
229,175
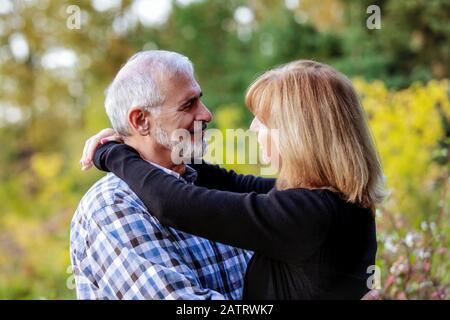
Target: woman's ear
139,121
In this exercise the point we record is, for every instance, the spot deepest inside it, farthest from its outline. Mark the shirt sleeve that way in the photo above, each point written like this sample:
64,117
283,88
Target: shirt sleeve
214,177
126,263
287,225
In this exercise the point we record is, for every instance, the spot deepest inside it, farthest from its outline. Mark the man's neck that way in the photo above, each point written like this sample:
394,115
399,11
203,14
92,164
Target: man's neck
158,154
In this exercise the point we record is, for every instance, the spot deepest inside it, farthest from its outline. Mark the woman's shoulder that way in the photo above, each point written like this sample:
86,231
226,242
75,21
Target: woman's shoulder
319,199
306,201
318,194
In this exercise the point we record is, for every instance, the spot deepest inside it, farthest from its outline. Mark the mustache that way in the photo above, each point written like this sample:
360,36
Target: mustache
203,128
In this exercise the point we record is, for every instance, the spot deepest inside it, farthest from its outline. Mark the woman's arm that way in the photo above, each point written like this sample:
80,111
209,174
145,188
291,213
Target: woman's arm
214,177
286,225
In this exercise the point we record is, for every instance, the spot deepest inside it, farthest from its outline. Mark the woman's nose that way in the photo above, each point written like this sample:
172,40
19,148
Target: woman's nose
254,126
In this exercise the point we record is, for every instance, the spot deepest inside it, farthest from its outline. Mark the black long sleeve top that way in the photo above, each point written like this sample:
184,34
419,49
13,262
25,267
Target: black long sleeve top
215,177
308,244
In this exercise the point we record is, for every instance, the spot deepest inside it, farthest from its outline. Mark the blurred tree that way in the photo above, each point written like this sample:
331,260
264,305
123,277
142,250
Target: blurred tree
413,43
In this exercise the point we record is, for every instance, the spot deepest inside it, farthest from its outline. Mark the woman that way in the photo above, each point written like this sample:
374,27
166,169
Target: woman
313,234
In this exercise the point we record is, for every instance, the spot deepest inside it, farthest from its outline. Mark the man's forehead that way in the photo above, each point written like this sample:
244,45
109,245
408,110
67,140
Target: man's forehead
181,87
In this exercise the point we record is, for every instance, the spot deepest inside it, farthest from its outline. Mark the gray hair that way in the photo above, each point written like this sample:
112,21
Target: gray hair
138,84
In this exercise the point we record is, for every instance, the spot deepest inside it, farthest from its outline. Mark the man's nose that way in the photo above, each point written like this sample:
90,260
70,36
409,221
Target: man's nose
203,114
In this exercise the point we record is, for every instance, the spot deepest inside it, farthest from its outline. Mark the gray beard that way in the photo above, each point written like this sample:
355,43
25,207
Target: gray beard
189,150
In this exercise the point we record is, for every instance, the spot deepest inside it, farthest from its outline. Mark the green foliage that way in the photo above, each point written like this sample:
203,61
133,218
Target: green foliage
412,44
411,131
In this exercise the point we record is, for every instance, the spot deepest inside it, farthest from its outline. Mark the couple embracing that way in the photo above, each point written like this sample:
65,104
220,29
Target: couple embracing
155,228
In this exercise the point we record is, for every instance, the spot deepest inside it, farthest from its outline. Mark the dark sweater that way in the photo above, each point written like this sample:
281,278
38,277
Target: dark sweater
308,244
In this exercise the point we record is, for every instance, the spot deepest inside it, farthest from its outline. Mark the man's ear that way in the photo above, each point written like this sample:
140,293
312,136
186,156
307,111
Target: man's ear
139,120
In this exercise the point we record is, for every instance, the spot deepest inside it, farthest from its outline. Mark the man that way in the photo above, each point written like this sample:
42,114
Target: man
118,249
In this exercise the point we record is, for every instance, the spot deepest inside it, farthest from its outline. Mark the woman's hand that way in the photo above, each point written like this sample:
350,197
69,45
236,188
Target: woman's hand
93,142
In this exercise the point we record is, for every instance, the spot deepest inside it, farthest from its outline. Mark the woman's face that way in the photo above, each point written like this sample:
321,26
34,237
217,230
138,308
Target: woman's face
265,140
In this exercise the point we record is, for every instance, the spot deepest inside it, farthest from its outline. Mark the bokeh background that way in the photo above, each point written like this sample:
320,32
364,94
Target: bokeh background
52,80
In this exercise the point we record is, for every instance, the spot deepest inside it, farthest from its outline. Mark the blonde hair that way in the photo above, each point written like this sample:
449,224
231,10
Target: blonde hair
324,139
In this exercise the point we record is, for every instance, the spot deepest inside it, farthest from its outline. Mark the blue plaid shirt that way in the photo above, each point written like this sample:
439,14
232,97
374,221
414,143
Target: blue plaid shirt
120,251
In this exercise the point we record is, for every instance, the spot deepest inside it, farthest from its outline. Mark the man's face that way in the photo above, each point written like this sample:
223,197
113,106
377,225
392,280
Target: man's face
181,110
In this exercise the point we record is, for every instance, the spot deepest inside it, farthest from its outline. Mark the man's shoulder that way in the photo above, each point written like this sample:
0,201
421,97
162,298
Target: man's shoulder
108,191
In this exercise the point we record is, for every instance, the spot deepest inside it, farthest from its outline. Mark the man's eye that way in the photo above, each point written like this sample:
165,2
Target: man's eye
188,105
